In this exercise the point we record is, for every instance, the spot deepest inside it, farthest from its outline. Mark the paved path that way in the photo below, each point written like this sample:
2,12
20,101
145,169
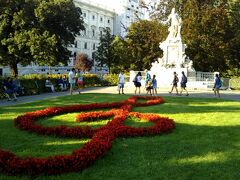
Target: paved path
231,95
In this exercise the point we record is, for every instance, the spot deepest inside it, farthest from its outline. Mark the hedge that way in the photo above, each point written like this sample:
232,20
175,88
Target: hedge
35,83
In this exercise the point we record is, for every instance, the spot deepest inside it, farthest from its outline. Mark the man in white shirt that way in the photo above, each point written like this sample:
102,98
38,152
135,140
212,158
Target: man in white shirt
71,79
120,82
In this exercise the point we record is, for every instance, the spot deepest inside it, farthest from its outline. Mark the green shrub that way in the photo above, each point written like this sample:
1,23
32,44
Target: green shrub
235,83
111,79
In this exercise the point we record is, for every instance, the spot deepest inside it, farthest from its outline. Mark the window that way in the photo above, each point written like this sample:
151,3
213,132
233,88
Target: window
108,21
93,17
85,45
75,44
94,46
101,19
84,15
93,32
100,33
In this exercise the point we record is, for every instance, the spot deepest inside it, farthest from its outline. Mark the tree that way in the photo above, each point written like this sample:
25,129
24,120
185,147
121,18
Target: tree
37,31
104,54
234,40
121,55
205,31
143,43
83,62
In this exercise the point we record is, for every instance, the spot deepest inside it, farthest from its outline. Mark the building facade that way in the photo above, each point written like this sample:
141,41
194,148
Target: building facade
117,17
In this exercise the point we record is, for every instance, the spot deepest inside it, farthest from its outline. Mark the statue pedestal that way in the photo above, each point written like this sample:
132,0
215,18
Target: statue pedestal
173,53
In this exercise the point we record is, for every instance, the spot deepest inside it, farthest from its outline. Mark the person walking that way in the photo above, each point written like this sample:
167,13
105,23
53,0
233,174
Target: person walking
183,83
174,82
121,82
217,85
148,77
137,82
79,78
154,85
71,79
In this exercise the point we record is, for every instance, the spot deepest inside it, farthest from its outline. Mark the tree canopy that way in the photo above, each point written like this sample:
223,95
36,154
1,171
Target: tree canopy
143,41
210,28
37,31
104,54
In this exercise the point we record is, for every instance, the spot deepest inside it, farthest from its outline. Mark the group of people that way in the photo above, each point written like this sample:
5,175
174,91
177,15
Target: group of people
151,84
183,83
12,87
75,77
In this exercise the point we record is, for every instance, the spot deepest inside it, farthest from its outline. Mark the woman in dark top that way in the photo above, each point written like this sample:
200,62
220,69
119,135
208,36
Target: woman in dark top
174,82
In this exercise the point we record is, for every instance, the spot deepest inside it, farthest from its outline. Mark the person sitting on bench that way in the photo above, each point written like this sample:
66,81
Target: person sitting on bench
18,86
9,89
48,84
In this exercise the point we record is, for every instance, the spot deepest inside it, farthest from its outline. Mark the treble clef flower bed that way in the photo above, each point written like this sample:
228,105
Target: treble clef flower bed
101,137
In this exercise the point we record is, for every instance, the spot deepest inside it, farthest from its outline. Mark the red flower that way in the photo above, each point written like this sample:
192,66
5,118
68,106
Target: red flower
97,147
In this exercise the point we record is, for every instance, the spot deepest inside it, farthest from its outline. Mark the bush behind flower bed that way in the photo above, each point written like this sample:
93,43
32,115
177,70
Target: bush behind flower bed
35,83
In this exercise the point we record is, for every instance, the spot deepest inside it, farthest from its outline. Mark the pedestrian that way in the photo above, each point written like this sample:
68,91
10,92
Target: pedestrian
217,85
174,82
149,87
137,82
154,85
148,77
79,78
121,82
71,79
183,84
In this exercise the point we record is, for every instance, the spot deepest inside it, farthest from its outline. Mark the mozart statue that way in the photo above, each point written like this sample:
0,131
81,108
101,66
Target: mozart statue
175,26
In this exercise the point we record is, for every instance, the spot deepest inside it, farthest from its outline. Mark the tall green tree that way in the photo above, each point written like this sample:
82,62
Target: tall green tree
121,55
143,41
234,40
104,55
206,31
37,31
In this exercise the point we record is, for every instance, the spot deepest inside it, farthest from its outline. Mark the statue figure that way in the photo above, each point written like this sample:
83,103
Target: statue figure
175,26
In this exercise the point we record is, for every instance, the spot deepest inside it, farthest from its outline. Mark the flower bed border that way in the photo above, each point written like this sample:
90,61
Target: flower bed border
96,148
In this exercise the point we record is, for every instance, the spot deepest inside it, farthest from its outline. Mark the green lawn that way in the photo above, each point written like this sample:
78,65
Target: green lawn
204,145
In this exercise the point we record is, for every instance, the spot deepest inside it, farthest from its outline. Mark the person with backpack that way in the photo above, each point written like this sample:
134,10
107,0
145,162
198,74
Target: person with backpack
217,85
148,77
183,84
174,83
137,82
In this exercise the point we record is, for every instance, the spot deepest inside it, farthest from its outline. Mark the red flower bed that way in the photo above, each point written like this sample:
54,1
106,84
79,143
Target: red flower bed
97,147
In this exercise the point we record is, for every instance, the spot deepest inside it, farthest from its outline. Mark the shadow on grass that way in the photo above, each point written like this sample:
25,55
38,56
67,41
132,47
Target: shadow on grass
189,152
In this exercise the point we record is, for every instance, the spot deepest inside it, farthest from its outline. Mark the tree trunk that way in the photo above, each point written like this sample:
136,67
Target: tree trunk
13,69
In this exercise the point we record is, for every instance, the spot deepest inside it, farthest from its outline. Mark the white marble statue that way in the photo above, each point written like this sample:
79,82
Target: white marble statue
175,25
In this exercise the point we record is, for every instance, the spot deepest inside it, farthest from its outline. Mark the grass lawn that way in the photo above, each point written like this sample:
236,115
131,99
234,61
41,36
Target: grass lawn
204,145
